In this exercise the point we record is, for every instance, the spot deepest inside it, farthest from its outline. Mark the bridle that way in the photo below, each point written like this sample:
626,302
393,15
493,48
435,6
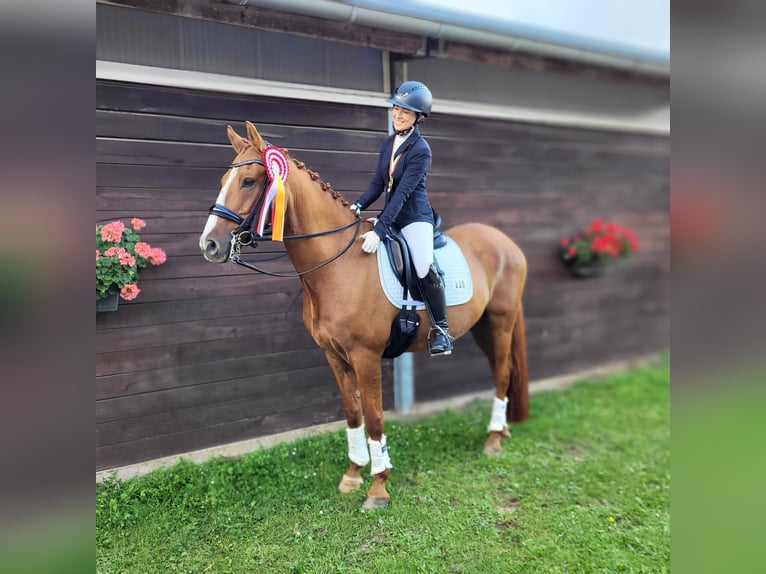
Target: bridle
244,234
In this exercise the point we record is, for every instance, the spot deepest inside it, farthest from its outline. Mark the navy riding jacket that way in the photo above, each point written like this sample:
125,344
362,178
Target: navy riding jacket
407,201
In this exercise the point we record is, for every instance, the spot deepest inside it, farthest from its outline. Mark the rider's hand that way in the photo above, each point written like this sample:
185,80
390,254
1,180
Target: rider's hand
371,241
356,208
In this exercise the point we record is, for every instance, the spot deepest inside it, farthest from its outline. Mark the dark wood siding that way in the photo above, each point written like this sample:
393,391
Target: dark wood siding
208,354
538,183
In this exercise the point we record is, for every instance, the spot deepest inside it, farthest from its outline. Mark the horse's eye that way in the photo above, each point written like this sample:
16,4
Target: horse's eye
248,182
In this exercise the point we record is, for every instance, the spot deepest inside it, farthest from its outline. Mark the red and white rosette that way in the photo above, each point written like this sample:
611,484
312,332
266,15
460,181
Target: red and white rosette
276,163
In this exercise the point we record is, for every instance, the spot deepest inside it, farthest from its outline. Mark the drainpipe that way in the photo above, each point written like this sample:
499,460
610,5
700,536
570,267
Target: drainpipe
404,364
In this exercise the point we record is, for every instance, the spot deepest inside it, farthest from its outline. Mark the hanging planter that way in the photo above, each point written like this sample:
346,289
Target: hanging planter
120,253
586,270
587,254
108,303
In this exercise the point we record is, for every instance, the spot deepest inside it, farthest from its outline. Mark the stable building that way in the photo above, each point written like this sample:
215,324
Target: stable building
533,135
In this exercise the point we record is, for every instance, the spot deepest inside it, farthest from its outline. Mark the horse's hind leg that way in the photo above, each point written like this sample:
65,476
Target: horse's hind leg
493,333
357,445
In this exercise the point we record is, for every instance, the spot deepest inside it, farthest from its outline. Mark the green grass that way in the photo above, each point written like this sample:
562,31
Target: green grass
583,486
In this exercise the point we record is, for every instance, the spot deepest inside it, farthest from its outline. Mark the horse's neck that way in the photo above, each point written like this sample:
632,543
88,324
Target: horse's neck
313,210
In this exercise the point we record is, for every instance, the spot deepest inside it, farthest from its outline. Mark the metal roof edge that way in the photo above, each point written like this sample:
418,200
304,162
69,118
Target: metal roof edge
510,38
150,75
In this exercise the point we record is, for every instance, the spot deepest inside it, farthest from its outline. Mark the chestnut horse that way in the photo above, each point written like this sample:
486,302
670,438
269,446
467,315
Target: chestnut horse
347,313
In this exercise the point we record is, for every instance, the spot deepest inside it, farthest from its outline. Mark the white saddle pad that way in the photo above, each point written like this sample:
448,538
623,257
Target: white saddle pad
458,284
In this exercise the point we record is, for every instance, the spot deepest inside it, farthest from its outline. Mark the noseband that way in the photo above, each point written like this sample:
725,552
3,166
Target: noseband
244,234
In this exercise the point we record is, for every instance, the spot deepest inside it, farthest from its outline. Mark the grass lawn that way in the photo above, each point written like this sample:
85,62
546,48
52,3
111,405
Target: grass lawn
583,486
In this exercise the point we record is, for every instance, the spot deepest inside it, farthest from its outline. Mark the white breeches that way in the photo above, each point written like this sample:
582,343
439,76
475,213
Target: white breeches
420,239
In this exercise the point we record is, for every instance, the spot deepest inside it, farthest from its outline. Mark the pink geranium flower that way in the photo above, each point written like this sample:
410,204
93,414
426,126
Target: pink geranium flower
138,224
115,252
143,249
127,259
157,256
112,232
129,291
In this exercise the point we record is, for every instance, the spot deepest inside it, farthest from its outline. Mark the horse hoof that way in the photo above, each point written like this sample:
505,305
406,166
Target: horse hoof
493,451
373,502
350,483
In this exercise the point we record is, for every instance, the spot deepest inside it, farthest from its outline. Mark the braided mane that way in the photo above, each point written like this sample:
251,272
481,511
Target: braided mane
323,184
336,195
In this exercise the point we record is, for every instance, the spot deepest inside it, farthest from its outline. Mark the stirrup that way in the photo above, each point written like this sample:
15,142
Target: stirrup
448,350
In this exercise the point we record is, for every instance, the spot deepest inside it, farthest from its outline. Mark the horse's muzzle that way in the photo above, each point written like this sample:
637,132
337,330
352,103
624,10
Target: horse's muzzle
214,253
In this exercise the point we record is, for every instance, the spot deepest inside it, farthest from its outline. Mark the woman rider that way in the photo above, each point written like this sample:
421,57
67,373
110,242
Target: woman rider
403,164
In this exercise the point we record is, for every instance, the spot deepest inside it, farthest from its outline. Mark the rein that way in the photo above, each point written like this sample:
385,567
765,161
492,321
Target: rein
244,235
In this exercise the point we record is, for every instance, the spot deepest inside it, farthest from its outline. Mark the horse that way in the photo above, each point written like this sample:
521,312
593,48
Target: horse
345,308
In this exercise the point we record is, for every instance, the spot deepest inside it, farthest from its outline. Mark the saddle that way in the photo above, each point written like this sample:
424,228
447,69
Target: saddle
399,253
404,329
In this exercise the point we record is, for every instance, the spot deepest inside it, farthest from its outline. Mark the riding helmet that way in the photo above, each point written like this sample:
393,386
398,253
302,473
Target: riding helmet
414,96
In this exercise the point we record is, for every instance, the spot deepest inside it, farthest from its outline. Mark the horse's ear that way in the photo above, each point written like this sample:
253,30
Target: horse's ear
237,142
255,137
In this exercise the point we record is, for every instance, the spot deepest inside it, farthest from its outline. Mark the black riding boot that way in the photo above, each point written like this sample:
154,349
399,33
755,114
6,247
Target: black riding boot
433,291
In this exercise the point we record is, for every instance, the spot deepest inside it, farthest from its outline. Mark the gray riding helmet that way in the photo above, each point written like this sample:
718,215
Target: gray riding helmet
414,96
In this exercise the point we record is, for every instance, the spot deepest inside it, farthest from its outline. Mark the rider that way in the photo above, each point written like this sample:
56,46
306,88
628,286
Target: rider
403,164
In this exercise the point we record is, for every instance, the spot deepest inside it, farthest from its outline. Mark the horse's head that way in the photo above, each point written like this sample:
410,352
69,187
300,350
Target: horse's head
241,187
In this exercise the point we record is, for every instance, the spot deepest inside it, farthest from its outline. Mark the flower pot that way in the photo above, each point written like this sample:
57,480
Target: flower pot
108,303
586,270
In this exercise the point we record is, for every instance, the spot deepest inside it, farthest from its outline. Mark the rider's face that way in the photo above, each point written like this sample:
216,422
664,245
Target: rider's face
403,119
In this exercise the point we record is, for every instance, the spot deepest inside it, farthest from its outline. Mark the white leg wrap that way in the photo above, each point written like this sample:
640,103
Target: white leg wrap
379,453
357,446
497,422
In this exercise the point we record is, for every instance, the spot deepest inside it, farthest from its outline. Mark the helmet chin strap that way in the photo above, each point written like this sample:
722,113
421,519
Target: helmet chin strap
405,131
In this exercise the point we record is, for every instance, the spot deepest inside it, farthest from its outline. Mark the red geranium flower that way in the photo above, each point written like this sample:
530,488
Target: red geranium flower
599,241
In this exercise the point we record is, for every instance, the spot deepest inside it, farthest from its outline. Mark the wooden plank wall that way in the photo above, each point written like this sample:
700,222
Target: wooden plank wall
538,183
209,354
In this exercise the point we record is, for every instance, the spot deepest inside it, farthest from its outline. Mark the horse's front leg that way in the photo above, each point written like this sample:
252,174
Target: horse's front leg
358,454
366,366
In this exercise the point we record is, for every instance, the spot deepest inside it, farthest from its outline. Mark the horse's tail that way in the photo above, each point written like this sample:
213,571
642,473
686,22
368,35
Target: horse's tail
518,391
